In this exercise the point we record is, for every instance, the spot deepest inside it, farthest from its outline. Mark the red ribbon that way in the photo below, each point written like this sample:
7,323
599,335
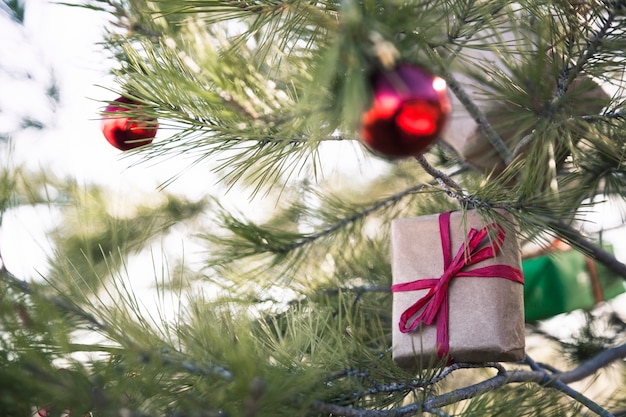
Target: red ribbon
434,304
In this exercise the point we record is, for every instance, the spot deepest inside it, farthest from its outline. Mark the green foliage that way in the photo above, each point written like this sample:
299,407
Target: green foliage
289,314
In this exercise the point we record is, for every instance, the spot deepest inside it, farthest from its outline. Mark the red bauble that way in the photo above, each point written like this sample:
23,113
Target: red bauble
125,132
410,109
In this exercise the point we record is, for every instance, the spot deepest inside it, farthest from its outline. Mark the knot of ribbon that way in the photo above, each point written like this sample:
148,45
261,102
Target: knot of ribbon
434,305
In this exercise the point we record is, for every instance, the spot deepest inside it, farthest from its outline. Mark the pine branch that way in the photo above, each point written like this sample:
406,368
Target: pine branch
554,381
569,74
442,178
395,387
537,375
386,202
597,252
60,303
165,356
251,239
520,147
464,19
593,44
591,366
562,229
615,114
178,362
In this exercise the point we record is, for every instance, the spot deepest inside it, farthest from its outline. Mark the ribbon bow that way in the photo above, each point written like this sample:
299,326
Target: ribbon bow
434,304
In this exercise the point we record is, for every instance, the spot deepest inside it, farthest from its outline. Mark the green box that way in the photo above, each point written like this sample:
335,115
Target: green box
561,282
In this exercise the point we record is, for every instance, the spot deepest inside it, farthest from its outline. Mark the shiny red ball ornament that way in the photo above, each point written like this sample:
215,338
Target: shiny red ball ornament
125,132
409,111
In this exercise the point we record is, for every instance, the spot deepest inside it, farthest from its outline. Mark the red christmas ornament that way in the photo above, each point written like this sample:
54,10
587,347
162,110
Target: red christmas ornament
410,109
42,412
125,132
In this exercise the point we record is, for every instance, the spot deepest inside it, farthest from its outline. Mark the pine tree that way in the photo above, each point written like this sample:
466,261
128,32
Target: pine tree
288,310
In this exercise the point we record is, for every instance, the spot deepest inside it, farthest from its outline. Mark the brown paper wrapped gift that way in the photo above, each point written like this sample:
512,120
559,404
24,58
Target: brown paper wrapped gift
486,313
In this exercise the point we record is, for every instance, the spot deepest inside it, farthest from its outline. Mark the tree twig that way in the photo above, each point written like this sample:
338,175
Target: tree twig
394,387
520,146
562,229
359,215
614,114
537,375
350,219
554,381
438,175
597,252
589,367
569,74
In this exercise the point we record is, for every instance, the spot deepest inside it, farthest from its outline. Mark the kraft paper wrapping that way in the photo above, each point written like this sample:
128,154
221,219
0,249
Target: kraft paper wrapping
486,322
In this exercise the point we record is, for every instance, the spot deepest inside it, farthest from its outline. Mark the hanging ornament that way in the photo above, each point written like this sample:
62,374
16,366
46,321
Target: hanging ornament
126,132
409,111
42,412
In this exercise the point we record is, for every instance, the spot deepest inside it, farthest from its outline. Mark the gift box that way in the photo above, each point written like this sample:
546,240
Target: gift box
457,290
561,281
